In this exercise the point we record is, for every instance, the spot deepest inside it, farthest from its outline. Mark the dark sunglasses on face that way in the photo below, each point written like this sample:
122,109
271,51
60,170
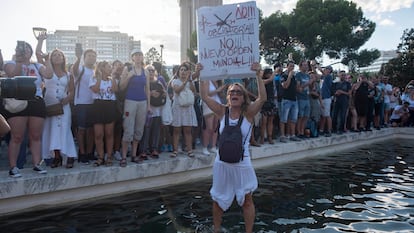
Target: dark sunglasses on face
235,92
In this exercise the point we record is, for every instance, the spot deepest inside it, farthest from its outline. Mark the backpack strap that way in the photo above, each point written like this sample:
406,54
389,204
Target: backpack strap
226,118
79,79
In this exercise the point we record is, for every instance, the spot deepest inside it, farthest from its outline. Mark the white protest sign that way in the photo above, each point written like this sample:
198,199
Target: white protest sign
228,40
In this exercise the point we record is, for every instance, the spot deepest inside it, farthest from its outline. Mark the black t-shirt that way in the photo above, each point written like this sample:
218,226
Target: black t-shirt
343,86
290,92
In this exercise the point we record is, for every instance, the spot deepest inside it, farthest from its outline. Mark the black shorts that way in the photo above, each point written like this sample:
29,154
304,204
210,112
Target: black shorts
35,107
104,111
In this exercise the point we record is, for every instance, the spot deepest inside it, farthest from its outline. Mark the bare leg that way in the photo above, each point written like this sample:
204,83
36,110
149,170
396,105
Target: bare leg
217,217
17,130
248,212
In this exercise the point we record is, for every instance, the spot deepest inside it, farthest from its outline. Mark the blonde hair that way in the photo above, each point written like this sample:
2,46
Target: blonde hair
63,66
246,102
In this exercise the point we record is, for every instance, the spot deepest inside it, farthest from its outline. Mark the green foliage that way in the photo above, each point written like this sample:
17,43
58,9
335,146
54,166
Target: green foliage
192,56
401,69
334,27
276,42
152,56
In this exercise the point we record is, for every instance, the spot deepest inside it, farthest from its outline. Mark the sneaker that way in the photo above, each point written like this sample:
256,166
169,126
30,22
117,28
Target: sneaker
295,139
15,173
205,151
213,150
164,148
117,156
283,139
39,169
328,134
83,159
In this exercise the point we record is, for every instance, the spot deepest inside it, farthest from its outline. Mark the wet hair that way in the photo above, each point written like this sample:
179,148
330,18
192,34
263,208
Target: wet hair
246,102
63,65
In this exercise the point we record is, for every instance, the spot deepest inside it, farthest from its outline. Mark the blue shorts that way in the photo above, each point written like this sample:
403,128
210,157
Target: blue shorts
289,110
84,116
304,108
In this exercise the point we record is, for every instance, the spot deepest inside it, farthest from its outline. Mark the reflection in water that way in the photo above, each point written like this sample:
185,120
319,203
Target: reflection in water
370,189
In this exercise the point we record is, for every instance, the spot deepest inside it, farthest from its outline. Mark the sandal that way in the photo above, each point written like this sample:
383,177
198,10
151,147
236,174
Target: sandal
174,154
155,154
136,159
123,163
108,162
143,156
98,162
190,154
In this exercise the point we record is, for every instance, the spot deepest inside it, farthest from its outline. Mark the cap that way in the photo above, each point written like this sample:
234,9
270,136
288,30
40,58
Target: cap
134,51
329,68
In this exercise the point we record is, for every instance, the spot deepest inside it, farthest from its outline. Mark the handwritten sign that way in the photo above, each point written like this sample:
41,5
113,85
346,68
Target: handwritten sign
228,40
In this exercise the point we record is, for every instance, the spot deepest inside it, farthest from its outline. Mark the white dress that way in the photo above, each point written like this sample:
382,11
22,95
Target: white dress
57,134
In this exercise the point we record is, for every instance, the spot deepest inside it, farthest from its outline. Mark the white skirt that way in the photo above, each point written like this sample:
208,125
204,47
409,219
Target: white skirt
232,180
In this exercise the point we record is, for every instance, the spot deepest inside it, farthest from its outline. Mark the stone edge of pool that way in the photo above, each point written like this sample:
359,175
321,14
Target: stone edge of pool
85,182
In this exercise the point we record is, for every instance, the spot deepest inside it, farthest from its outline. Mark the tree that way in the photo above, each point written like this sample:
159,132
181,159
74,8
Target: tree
152,56
334,27
276,42
401,69
192,56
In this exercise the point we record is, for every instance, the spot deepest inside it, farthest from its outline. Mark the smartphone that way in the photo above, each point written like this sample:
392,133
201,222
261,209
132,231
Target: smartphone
78,49
21,47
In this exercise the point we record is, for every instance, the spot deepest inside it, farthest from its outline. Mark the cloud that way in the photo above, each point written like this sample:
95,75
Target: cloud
386,22
371,6
383,6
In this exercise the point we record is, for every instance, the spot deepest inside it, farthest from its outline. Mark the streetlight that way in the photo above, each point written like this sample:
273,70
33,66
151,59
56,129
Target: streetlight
162,47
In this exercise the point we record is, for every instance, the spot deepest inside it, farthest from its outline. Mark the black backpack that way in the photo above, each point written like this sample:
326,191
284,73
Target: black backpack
230,143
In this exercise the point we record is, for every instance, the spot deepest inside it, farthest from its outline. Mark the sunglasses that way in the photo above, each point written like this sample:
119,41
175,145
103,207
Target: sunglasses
235,92
151,70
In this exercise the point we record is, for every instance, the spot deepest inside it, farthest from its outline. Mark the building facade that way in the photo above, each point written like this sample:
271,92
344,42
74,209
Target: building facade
109,46
188,18
375,67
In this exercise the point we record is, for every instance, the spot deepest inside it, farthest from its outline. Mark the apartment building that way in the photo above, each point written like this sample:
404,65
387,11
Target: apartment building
109,45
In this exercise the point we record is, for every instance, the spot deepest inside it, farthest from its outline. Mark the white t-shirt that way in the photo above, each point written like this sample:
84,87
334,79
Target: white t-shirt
394,115
105,90
31,70
83,94
387,88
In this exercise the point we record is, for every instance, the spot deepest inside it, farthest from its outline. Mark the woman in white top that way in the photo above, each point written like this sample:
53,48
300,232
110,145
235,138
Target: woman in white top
57,136
235,179
210,119
104,111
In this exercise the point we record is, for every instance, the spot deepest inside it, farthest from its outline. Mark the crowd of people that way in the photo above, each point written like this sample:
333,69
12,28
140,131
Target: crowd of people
110,111
99,111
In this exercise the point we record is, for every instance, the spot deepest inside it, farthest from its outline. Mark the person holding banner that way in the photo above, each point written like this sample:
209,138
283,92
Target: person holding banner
235,179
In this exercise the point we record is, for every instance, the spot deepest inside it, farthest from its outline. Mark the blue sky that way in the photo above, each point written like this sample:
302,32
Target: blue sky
156,22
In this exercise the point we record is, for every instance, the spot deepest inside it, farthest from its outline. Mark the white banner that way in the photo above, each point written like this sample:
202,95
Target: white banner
228,40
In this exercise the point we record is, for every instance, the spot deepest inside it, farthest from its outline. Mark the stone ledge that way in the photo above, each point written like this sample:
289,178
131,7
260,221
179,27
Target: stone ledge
62,186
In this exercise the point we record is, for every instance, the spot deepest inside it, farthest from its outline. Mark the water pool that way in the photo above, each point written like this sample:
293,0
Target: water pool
368,189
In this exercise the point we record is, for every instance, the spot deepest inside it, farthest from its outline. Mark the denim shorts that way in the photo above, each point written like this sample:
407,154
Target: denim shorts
326,110
84,118
289,110
304,108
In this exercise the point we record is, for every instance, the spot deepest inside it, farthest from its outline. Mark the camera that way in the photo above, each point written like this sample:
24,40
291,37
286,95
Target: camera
20,87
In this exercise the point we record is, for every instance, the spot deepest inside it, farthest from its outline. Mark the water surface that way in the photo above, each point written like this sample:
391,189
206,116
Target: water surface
369,189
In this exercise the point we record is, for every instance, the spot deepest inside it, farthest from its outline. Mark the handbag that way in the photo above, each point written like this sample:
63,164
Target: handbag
54,110
166,112
14,105
185,98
